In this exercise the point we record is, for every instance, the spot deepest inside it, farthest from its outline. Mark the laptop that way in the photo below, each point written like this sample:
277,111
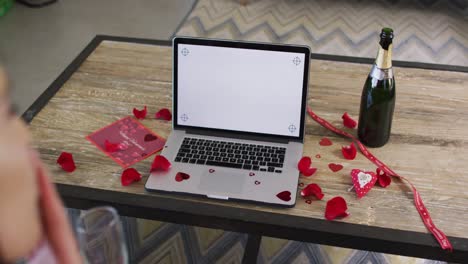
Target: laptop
238,121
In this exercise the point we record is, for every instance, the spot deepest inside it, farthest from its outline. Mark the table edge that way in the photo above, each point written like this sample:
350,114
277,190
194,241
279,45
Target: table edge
173,209
376,238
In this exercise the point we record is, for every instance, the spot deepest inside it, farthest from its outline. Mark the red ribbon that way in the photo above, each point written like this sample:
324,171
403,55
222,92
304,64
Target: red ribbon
422,210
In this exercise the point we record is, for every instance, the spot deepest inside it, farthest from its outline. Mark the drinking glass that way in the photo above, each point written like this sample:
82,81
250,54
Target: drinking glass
100,236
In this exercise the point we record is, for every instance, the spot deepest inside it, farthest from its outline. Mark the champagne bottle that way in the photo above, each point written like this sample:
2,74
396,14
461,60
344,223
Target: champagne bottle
378,96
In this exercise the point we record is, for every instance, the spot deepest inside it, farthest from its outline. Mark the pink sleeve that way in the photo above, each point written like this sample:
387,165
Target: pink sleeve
42,255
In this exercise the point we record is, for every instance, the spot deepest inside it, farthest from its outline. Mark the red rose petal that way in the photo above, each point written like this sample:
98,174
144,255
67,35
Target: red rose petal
284,195
312,189
336,207
349,152
65,160
180,176
112,147
129,175
164,113
335,167
140,114
309,172
383,179
325,142
304,164
348,121
160,163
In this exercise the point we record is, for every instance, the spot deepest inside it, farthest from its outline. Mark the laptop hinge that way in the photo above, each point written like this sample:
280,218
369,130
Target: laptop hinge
225,134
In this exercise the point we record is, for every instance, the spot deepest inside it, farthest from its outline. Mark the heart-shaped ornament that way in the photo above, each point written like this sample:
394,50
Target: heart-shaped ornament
363,181
257,182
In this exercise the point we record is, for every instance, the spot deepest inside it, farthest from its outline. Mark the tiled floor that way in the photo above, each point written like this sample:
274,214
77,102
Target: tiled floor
37,44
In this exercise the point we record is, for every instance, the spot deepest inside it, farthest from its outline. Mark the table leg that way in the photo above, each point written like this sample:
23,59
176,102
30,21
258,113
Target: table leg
251,249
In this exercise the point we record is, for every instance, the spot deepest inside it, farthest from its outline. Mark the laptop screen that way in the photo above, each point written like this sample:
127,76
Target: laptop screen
240,89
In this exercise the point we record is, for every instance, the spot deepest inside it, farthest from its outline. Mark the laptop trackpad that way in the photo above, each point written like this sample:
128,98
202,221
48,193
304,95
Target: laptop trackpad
220,182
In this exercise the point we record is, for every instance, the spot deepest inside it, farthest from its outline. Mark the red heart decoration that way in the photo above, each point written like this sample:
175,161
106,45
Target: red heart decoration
251,174
363,181
318,156
308,201
325,142
150,137
301,184
284,195
257,182
211,170
335,167
180,176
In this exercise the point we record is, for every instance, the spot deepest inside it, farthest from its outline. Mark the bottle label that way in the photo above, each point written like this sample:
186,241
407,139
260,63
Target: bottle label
381,74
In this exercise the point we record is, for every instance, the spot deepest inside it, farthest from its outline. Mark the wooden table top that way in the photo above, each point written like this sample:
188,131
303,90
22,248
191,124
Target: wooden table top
428,145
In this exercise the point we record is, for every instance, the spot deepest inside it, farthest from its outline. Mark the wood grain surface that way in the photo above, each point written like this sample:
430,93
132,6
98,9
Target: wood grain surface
428,143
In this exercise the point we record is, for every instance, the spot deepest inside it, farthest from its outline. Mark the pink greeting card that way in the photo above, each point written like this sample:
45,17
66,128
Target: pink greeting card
126,141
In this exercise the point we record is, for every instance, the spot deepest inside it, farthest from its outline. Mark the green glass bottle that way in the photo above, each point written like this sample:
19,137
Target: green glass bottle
378,96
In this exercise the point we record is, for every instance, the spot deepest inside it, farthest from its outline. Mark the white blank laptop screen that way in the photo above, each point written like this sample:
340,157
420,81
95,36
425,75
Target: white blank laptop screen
237,89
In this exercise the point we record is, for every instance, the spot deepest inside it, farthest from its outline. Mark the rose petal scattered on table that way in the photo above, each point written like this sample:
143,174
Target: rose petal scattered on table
304,163
312,189
383,179
164,113
349,152
65,160
325,142
129,175
284,195
140,114
348,121
304,166
335,167
181,176
160,163
336,207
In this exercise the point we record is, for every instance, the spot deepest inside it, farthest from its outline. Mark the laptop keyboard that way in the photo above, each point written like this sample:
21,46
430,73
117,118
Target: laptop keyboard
232,155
